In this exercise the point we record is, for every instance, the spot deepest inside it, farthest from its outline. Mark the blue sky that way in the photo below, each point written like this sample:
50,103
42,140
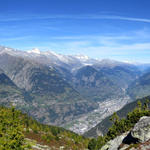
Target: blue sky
115,29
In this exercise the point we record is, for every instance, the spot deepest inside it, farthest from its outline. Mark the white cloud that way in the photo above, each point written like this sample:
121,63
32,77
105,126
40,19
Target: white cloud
15,38
8,18
120,18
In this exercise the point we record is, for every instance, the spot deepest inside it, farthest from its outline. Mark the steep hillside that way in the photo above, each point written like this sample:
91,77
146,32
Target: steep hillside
102,127
4,80
50,99
130,132
20,132
94,84
140,87
37,79
121,74
9,92
100,83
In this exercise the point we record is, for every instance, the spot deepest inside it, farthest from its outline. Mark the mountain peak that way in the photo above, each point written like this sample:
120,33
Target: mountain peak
6,49
82,57
34,50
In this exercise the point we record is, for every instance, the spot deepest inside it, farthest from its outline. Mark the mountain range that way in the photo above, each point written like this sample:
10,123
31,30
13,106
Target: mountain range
140,87
56,89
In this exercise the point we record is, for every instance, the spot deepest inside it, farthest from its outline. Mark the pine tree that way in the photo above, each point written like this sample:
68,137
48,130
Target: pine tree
11,130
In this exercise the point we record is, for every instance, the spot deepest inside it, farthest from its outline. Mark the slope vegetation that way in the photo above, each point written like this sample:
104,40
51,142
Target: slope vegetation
102,127
20,132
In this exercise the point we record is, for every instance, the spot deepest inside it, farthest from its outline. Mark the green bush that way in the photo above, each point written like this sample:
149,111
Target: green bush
11,130
121,125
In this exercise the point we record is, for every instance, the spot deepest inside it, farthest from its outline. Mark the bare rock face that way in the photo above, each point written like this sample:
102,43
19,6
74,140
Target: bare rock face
141,130
114,144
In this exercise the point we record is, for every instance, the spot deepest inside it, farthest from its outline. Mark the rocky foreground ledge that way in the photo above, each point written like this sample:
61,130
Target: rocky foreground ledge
136,139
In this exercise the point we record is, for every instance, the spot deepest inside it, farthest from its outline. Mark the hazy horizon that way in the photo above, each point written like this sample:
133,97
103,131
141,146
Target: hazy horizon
39,51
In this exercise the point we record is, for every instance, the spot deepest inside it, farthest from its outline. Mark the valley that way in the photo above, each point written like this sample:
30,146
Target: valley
90,120
72,91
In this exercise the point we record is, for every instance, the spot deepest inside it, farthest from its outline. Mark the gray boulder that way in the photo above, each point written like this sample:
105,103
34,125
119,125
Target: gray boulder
141,130
115,143
140,133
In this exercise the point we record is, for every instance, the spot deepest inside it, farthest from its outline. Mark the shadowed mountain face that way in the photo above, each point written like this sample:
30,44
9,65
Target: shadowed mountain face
36,78
121,74
4,80
9,93
140,87
103,83
49,97
94,84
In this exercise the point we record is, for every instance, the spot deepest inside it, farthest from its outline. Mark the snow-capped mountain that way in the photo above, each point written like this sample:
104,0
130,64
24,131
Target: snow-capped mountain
69,85
51,58
71,62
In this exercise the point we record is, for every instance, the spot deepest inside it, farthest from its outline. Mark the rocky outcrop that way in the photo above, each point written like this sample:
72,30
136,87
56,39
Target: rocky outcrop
114,144
141,130
139,135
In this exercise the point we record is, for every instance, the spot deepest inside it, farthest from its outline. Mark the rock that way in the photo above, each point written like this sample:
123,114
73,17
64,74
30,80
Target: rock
143,147
123,147
35,145
41,147
140,146
139,136
141,130
114,144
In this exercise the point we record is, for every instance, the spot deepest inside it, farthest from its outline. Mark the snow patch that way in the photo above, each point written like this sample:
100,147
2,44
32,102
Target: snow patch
34,50
82,57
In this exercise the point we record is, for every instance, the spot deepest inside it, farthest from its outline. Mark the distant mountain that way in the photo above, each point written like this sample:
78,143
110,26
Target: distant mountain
143,67
108,63
100,83
70,62
9,92
140,87
122,74
102,127
94,84
70,66
50,98
57,88
35,78
4,80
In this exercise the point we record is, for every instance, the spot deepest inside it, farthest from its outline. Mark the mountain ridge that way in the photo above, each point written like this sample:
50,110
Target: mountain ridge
61,88
45,90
